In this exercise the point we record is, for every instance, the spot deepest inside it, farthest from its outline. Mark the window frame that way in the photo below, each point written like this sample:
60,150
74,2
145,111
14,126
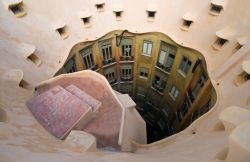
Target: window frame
87,57
144,72
187,63
168,49
173,91
147,42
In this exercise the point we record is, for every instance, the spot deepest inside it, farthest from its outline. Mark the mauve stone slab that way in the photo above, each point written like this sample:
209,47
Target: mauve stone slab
57,110
106,125
91,101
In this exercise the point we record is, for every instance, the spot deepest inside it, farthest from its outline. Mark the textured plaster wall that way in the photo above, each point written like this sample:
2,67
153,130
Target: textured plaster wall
37,28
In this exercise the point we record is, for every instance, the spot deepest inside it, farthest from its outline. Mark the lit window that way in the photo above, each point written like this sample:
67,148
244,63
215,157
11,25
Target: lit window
126,49
184,66
70,66
147,48
88,58
17,9
144,72
174,92
166,57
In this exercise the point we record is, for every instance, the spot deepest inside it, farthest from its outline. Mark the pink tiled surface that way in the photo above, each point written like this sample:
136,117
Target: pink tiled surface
91,101
106,126
58,110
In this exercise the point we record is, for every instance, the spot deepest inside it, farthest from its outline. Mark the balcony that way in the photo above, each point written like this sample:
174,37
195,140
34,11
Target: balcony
126,78
163,68
126,59
158,88
109,61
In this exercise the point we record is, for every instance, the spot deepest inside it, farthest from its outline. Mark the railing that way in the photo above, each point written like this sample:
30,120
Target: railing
127,58
167,69
158,87
130,78
106,62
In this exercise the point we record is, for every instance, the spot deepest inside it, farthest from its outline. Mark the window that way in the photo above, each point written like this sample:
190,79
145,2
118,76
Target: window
100,7
144,72
110,75
166,57
86,19
17,9
200,83
241,41
186,24
126,49
215,9
24,84
147,48
159,82
184,108
217,45
88,58
106,50
126,73
33,58
151,14
174,92
220,41
118,15
63,31
237,47
243,77
70,66
184,66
